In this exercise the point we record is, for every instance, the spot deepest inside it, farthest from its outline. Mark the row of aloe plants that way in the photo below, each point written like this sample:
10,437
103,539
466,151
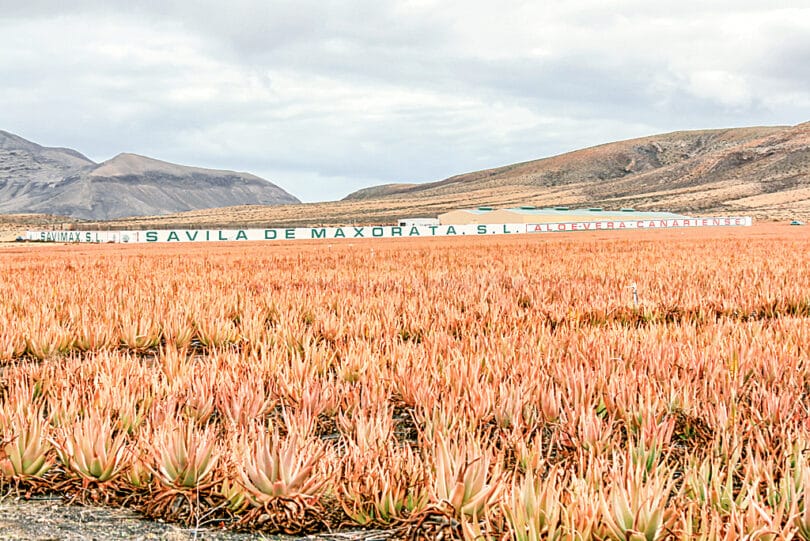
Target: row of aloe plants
483,389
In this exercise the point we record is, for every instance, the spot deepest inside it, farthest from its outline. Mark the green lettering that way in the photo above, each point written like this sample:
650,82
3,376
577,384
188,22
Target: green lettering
339,233
241,235
289,233
318,233
451,230
414,232
377,232
189,235
151,236
270,234
173,236
396,231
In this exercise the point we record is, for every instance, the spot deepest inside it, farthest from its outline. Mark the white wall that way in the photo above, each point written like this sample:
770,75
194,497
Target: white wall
365,232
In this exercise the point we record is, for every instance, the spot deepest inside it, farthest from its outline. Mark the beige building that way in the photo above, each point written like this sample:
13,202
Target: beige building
532,215
467,216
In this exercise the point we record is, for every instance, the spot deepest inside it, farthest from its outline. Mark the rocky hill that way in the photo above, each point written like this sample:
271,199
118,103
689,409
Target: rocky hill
36,179
761,172
764,171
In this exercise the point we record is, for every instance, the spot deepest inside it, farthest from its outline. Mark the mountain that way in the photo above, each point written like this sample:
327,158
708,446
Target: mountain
37,179
377,192
762,172
30,172
132,185
747,170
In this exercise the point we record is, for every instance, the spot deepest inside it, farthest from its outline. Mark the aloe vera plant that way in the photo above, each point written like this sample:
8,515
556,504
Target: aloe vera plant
273,467
27,449
92,450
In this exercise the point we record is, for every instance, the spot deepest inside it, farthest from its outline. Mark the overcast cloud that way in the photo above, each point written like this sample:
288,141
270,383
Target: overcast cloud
325,97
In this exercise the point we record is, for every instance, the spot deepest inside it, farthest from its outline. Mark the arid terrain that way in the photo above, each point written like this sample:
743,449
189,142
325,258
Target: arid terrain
15,225
764,171
761,172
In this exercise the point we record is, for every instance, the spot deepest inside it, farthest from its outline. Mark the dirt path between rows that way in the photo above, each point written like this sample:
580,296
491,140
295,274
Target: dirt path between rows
53,520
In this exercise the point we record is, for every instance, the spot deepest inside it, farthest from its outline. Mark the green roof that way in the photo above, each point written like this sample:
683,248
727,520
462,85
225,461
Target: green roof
596,212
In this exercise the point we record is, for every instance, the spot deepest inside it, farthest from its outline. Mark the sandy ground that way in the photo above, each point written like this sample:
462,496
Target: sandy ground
9,236
53,520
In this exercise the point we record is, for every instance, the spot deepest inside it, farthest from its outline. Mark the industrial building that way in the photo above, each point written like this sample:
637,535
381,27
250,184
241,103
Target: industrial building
533,215
410,222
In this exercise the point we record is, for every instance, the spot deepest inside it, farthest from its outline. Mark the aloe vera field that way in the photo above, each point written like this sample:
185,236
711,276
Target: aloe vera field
639,385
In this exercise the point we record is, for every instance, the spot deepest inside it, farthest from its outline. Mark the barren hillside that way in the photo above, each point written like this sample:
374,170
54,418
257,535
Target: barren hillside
763,172
36,179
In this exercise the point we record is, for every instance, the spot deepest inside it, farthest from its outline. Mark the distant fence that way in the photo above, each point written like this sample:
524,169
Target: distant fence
364,232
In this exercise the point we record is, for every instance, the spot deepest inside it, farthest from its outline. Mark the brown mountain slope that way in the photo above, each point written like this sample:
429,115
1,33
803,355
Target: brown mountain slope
597,165
763,172
684,171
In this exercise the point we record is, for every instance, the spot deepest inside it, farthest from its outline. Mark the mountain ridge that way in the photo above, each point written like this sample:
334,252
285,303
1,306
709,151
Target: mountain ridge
607,161
127,163
62,181
685,171
758,171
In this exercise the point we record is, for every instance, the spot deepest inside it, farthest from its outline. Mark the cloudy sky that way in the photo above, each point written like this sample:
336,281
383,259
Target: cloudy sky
324,97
